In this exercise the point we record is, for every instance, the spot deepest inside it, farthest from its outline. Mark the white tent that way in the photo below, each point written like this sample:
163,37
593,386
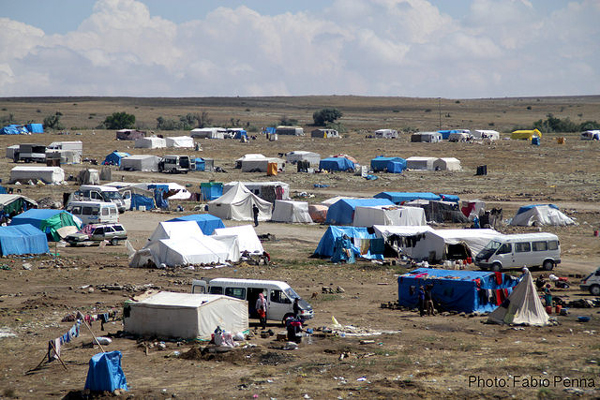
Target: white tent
186,315
11,150
447,164
269,190
329,202
45,174
295,156
386,133
541,215
182,192
180,141
459,137
522,307
422,163
389,215
141,162
261,164
152,142
429,137
175,230
480,134
246,235
237,204
208,133
291,211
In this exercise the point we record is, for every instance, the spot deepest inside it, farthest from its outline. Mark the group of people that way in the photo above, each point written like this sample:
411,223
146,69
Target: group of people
293,324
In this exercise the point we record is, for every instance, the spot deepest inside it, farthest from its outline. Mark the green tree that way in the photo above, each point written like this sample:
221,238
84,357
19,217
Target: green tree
120,120
325,115
53,121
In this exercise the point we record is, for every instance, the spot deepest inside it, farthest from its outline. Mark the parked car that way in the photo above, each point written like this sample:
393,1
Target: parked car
98,233
592,283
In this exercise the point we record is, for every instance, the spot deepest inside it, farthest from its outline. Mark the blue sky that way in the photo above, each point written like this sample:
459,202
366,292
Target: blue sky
445,48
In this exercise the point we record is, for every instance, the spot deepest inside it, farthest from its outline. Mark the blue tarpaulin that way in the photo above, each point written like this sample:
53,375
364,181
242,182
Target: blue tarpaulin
211,190
159,199
336,164
342,211
529,207
395,167
207,223
22,239
114,158
199,164
46,220
327,243
450,197
401,197
35,128
446,133
105,373
138,200
240,133
13,130
381,163
461,291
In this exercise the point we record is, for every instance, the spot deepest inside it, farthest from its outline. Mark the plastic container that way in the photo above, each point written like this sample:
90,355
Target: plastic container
548,310
557,309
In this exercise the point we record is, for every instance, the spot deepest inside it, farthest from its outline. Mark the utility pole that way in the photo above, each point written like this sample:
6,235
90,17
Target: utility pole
440,111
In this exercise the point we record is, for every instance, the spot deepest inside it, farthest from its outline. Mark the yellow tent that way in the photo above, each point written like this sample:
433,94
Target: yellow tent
525,134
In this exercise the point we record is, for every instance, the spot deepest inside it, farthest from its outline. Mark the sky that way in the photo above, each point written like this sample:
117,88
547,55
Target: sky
456,49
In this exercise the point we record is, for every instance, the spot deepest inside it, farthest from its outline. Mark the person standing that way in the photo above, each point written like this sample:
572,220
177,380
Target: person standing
261,310
429,307
296,308
421,296
255,212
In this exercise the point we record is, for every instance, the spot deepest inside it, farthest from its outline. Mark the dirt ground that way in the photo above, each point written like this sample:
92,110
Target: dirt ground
401,354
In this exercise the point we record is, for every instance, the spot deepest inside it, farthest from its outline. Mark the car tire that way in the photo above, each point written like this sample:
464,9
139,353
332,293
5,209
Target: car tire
548,265
114,242
496,267
595,290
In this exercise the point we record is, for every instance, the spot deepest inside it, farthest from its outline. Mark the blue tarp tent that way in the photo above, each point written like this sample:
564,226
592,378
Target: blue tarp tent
159,199
35,128
461,291
401,197
446,133
270,130
240,133
46,220
529,207
22,239
367,247
105,373
336,164
211,190
396,167
13,130
207,223
450,197
380,163
138,201
342,211
199,164
114,158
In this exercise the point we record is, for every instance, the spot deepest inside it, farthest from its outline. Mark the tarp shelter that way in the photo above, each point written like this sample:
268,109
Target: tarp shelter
208,133
63,156
291,211
324,133
12,204
48,175
88,176
381,163
237,133
174,190
152,142
247,238
140,201
140,162
439,211
388,215
129,134
336,164
105,373
14,130
211,190
460,291
459,137
289,130
342,211
447,164
447,133
186,315
247,157
269,191
35,128
295,156
46,220
237,204
395,167
115,158
522,307
420,163
318,212
369,245
480,134
260,164
525,134
22,239
11,150
402,197
587,135
180,141
206,222
427,137
199,164
540,215
386,134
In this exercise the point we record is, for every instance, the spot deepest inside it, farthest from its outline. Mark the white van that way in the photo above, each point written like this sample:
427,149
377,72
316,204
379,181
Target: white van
279,295
100,193
592,283
94,212
522,250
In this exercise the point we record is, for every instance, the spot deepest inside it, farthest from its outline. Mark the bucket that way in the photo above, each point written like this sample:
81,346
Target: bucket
548,310
469,260
557,309
596,233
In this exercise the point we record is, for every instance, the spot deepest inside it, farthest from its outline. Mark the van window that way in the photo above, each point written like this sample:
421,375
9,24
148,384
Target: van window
540,246
113,210
76,210
552,244
506,248
238,293
216,290
522,247
105,211
278,296
87,211
96,211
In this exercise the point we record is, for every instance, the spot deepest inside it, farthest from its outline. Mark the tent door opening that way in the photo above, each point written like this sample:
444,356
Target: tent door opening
458,251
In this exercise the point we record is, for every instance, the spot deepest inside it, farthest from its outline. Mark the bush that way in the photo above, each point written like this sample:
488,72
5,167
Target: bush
120,120
326,115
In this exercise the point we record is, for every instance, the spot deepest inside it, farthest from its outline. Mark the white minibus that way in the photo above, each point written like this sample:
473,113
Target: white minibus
94,212
520,250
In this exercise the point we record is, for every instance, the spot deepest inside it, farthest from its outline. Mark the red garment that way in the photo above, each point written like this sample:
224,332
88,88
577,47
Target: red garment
498,278
499,295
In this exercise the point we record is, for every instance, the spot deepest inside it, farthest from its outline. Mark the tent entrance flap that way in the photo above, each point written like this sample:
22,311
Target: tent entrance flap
458,251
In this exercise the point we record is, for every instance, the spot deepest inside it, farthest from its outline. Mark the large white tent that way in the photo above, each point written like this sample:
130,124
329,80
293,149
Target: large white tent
180,141
140,162
479,134
420,163
523,306
447,164
295,156
541,215
208,133
152,142
48,175
246,237
368,216
186,315
291,211
237,204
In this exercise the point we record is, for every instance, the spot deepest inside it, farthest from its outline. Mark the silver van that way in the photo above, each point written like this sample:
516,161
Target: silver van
521,250
279,295
94,212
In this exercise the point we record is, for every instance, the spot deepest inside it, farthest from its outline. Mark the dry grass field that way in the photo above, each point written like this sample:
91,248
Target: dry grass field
447,356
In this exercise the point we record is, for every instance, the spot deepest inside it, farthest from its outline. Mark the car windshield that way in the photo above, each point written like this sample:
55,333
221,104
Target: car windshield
112,196
291,293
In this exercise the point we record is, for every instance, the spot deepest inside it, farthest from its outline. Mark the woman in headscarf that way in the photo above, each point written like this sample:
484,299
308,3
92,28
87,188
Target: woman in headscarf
261,310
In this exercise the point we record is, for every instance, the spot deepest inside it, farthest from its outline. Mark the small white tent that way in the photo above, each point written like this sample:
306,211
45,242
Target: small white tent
261,164
246,235
237,204
480,134
185,315
140,162
291,211
152,142
208,133
541,215
295,156
447,164
522,307
176,230
420,163
180,141
389,215
47,175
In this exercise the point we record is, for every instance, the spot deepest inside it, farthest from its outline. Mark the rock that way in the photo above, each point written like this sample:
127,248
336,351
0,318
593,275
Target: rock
340,289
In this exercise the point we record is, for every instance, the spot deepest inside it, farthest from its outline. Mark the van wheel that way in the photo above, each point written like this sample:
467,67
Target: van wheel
548,265
595,290
285,317
114,242
496,267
